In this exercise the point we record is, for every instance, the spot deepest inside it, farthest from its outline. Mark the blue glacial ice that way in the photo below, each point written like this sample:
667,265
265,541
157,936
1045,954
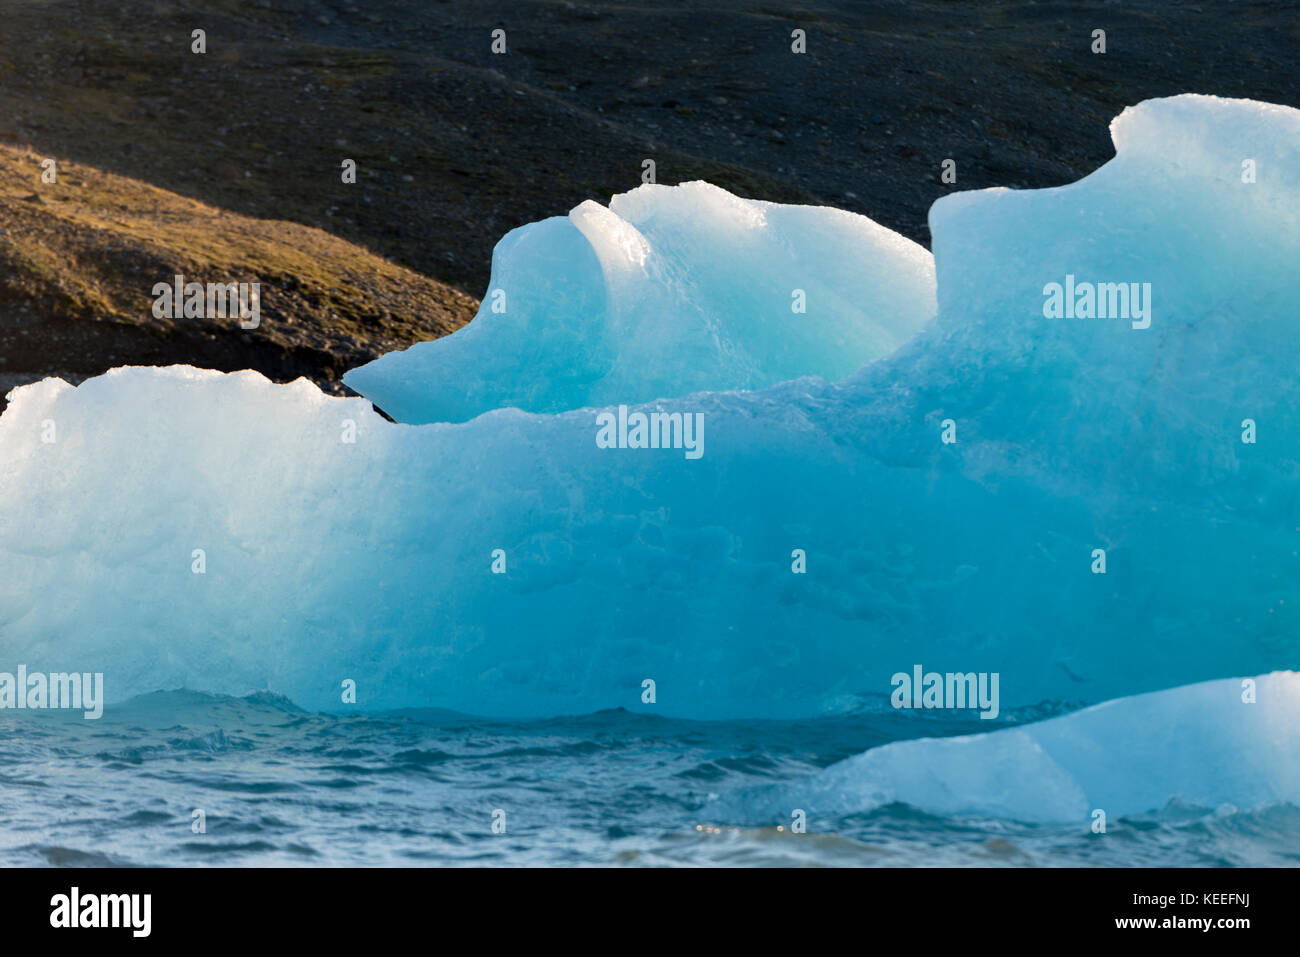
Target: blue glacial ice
1230,742
325,559
671,290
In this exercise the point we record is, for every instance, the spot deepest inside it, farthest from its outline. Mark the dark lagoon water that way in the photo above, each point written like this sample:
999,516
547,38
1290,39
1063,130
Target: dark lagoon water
280,786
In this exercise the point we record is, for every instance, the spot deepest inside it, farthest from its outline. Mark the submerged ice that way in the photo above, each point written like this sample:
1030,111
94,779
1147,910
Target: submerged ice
1233,742
1069,502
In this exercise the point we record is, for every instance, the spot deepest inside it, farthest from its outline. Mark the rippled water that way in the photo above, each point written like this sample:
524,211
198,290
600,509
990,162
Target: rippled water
281,786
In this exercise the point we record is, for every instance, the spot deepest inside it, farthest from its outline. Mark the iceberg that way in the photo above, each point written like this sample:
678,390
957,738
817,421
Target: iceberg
1089,506
1218,745
668,291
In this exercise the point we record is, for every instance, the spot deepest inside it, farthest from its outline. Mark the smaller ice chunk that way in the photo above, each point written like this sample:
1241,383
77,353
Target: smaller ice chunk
1203,745
670,290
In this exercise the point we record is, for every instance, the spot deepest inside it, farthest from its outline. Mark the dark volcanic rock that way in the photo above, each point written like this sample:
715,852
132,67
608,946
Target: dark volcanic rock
455,145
